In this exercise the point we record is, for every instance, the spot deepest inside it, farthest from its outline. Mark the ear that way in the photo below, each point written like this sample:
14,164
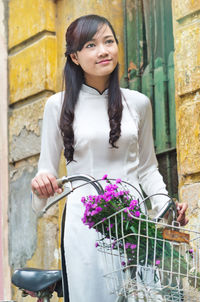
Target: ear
74,58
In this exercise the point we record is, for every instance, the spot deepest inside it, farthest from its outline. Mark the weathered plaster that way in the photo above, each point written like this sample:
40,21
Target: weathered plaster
189,138
33,69
188,58
27,18
27,117
26,144
186,27
22,220
25,129
185,8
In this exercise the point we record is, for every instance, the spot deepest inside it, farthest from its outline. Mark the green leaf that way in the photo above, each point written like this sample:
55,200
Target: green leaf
133,229
127,225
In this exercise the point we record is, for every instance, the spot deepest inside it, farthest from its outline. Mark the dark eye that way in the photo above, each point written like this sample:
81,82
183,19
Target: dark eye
110,41
90,45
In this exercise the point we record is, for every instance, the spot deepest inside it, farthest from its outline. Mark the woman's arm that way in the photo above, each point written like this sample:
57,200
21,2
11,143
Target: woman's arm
149,176
44,183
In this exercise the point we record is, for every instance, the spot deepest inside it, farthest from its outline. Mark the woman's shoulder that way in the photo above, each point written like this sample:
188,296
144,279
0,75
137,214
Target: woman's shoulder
55,100
135,99
54,103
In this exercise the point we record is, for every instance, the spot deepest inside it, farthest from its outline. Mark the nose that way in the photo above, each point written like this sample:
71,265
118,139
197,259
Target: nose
102,50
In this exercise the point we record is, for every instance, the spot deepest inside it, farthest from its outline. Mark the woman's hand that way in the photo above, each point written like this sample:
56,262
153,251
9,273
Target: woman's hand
45,185
181,209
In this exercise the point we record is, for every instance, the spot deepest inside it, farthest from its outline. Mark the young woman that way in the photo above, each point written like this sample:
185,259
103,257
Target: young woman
103,129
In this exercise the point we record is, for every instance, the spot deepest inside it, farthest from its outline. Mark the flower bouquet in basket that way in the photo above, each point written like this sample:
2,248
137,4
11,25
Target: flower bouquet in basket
136,239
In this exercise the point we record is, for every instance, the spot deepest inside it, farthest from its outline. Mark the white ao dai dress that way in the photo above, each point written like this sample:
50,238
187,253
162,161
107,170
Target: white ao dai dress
134,161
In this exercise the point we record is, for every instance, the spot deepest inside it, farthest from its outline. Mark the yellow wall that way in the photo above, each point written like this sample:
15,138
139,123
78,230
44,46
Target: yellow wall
186,16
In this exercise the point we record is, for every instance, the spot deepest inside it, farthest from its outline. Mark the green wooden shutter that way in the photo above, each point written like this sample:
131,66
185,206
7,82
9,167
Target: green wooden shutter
150,69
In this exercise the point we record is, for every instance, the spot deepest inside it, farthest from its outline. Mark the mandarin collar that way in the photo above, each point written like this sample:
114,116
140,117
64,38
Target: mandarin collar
92,90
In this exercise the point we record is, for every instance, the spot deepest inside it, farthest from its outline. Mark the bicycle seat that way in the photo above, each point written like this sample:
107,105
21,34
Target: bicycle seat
34,279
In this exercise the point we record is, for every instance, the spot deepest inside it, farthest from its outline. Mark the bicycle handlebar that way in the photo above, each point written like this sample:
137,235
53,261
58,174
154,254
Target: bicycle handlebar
95,183
69,179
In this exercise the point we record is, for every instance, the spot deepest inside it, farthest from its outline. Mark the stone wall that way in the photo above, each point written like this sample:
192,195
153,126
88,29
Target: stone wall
186,16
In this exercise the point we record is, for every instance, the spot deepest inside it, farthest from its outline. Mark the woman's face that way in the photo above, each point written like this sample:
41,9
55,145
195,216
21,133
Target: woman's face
98,57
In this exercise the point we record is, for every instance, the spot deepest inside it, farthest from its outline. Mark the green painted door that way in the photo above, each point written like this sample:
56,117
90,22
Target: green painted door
150,69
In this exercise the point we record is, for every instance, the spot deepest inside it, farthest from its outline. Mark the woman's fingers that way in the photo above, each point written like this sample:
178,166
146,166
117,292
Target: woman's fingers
39,189
181,208
44,185
54,184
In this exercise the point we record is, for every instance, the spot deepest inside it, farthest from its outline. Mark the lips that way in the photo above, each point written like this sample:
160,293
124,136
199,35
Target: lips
104,61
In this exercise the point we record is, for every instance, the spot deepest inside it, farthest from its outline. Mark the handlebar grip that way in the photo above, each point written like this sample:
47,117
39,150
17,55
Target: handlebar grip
81,177
59,182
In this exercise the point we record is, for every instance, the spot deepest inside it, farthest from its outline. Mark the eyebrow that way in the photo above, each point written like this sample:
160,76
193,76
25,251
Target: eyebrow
106,37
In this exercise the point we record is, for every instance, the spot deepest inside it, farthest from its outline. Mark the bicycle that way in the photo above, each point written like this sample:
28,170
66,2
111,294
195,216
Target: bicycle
130,281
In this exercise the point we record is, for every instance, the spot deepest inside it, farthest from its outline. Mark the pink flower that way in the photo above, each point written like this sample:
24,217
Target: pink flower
96,244
133,203
83,199
118,180
133,246
137,214
127,245
105,177
157,262
108,228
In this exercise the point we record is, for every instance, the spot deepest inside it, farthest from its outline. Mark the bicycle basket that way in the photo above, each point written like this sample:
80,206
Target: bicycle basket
146,259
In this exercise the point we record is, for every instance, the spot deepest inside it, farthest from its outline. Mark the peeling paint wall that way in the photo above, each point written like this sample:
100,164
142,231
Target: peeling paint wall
32,75
186,16
23,223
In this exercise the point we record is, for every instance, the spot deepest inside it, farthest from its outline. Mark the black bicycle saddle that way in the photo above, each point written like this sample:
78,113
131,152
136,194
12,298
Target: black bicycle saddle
35,280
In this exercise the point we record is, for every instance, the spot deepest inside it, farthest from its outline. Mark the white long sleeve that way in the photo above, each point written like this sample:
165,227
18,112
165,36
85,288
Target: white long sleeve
51,144
149,176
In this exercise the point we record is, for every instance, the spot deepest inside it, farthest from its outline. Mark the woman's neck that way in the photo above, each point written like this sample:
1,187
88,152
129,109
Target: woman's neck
99,83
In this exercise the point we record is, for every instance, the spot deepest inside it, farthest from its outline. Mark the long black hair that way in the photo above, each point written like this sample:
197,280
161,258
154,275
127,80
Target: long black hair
78,33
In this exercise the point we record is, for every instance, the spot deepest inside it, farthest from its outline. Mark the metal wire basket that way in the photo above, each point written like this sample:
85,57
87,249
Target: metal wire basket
155,261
